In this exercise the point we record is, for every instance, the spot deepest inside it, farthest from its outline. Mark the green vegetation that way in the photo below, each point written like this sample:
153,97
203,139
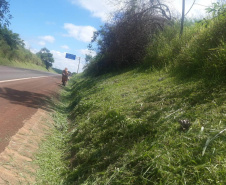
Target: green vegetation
46,57
59,71
199,51
124,127
122,43
125,130
12,51
51,151
5,15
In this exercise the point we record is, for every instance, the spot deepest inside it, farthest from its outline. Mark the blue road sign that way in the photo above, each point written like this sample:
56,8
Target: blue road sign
70,56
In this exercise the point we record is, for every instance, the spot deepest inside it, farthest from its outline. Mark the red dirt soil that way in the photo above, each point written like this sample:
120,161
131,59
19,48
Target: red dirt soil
20,100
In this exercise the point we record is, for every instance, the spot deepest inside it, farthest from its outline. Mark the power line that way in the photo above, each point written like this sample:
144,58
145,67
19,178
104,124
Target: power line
201,5
190,8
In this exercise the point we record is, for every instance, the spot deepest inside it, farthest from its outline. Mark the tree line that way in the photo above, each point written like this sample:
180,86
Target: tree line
11,42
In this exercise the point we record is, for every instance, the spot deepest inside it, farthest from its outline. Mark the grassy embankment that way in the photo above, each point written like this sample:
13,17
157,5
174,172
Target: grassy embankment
25,65
124,127
20,57
125,130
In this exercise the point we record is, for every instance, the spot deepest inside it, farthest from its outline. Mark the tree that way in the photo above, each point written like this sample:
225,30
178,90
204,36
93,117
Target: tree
46,57
217,9
12,39
88,58
123,42
5,15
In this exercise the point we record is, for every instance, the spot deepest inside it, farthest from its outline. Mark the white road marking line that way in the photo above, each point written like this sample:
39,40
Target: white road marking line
22,79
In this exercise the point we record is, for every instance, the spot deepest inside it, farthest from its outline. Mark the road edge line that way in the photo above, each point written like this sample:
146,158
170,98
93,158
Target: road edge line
22,79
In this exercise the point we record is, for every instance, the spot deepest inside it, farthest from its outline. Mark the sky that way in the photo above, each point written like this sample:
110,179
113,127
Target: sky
67,26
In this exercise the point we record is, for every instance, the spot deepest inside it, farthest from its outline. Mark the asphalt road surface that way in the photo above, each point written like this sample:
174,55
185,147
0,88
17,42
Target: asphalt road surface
9,73
22,93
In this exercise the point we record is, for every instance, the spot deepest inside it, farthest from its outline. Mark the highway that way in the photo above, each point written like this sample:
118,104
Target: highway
9,73
22,93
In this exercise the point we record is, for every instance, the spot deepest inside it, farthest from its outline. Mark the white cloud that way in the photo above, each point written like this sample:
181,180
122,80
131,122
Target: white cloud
82,33
28,46
87,52
65,47
99,8
44,39
33,50
42,43
103,8
60,62
198,10
47,38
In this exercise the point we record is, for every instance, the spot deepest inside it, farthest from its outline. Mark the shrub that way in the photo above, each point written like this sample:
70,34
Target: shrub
204,54
123,42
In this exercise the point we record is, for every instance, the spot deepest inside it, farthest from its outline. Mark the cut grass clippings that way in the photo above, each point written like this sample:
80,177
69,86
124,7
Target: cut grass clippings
51,155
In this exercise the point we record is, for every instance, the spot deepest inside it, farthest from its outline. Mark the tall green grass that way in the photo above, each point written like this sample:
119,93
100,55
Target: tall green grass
199,52
205,52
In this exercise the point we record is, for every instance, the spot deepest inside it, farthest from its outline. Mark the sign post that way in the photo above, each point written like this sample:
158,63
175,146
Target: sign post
78,64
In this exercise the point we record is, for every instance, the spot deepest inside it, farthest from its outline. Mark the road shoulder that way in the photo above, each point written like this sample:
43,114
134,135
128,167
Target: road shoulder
16,161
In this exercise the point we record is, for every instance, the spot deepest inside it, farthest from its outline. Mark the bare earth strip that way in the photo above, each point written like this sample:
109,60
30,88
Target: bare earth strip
16,165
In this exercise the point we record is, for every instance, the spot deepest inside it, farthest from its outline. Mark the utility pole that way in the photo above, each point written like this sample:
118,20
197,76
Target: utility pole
78,64
182,18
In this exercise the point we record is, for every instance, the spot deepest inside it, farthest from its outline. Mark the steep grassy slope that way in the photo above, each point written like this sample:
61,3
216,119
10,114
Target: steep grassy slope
19,57
125,130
